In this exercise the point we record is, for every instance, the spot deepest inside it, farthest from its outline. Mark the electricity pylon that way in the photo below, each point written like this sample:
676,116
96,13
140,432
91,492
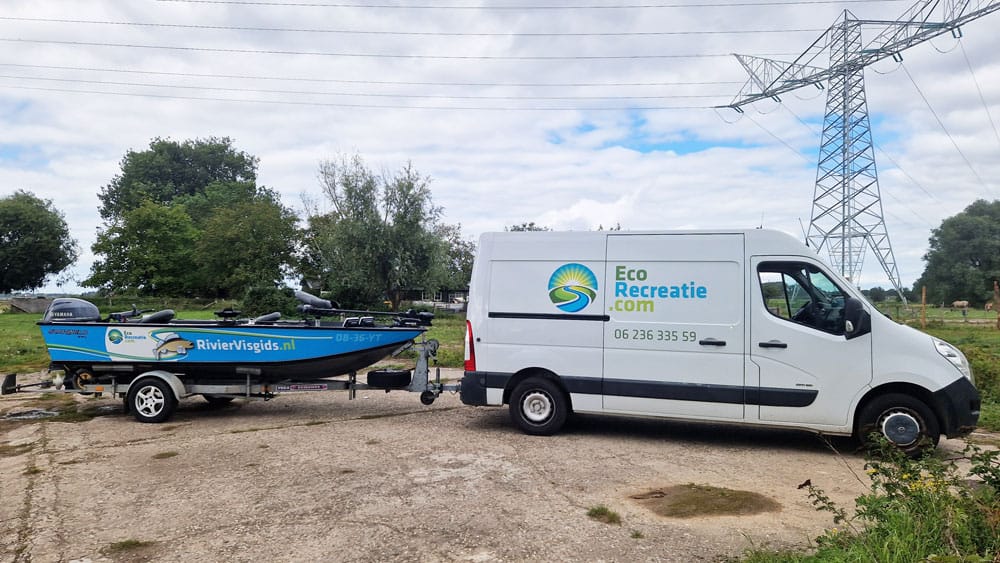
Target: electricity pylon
847,216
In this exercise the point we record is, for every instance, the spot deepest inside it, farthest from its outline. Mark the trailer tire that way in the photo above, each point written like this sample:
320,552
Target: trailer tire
218,400
539,406
389,378
902,420
151,400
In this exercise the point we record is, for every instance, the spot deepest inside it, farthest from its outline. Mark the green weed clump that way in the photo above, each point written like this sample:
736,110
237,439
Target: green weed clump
916,510
604,514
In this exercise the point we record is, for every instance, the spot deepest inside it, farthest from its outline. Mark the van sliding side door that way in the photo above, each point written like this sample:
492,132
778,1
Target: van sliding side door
674,344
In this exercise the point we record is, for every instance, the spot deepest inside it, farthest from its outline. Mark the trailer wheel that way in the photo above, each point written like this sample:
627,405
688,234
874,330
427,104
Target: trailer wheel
903,420
538,406
427,398
151,400
218,400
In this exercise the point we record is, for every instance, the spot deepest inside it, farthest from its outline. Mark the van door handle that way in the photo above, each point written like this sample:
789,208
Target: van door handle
772,344
712,342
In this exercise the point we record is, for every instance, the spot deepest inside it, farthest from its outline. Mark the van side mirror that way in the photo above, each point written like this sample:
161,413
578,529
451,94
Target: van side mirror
857,321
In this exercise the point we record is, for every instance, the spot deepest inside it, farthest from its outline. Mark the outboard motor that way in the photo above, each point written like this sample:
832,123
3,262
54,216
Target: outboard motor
71,309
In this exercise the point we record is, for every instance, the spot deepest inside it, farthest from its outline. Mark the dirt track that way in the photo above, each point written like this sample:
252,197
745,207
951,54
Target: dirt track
315,477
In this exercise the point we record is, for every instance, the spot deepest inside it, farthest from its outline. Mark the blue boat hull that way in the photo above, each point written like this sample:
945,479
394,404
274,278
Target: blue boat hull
222,351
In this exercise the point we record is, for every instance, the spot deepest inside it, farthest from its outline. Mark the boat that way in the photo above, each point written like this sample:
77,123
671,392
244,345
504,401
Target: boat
325,342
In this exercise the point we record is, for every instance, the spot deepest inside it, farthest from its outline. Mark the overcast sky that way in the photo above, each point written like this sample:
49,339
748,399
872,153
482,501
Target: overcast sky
571,115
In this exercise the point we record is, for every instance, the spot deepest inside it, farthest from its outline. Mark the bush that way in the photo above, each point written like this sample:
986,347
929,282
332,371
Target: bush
916,510
986,368
264,300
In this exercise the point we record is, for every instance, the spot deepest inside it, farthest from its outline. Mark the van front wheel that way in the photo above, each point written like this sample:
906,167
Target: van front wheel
538,406
904,421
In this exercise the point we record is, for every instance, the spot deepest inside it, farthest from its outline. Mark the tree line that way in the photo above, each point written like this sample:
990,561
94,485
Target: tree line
190,219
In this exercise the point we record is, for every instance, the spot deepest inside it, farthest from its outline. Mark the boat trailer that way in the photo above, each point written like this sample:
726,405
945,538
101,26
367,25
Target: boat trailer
152,396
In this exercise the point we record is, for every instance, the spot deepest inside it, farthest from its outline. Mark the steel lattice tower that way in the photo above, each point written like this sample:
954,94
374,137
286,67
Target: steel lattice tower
847,216
847,207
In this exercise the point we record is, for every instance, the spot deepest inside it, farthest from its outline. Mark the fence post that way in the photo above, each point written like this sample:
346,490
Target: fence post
923,308
996,300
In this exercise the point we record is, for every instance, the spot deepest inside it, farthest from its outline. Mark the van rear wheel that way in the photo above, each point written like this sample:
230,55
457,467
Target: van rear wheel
538,406
903,420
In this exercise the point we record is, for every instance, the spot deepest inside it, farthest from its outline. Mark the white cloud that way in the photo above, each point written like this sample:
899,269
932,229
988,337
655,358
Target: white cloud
565,168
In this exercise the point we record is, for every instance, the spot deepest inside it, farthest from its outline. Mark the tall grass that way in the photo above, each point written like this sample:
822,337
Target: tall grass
915,510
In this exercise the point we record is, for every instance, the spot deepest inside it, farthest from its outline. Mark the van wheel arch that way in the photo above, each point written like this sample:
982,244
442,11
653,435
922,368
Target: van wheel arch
903,392
520,376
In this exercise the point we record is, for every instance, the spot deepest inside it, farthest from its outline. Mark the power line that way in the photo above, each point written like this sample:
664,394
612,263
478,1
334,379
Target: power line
380,82
943,128
979,90
880,150
523,7
381,55
356,106
410,33
360,94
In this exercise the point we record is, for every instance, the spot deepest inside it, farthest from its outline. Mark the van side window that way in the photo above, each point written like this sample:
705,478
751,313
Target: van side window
803,294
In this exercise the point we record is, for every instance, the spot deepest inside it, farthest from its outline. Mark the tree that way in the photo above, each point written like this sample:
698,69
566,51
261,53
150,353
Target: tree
381,236
232,233
34,242
875,294
964,256
246,245
460,255
150,249
171,170
526,226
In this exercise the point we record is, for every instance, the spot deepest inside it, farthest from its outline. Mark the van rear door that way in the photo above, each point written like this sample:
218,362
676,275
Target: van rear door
674,342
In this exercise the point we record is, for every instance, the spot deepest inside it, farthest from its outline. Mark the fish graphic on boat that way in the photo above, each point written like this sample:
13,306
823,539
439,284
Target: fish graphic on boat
173,345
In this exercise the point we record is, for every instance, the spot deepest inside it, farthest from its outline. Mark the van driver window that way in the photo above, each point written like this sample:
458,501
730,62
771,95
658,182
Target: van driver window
802,294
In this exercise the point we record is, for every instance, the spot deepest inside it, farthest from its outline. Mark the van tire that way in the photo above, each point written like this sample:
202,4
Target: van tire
916,426
538,406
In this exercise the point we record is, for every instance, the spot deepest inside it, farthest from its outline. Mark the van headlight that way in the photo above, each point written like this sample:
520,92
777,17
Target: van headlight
956,357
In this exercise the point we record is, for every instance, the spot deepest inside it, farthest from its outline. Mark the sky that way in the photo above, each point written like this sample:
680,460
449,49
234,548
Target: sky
573,114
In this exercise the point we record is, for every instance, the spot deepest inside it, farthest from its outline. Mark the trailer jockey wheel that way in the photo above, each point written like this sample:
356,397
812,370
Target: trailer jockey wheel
427,398
79,379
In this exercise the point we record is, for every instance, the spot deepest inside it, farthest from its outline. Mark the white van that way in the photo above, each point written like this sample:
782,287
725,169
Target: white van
745,327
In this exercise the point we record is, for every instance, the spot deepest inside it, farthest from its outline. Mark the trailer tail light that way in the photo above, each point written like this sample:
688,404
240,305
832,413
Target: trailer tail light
470,348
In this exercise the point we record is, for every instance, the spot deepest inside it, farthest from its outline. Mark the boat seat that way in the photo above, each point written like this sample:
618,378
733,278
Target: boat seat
268,318
163,316
359,322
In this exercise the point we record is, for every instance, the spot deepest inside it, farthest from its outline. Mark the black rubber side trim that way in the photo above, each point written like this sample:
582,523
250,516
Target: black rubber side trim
478,381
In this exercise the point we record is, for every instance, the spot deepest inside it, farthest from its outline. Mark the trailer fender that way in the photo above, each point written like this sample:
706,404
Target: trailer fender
170,379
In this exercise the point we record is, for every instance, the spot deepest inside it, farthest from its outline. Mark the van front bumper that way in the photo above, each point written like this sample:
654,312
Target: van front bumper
957,406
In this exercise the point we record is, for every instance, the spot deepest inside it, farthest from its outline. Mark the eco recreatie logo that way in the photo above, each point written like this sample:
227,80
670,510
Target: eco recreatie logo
115,336
572,287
